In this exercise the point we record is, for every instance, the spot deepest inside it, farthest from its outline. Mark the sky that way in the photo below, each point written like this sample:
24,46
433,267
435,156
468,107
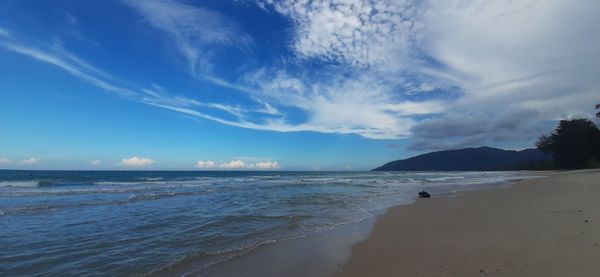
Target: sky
286,85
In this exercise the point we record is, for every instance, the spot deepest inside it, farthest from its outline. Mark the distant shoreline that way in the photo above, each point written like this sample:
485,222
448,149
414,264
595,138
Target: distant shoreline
540,227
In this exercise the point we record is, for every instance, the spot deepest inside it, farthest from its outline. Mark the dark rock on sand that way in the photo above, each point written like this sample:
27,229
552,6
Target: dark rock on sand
424,194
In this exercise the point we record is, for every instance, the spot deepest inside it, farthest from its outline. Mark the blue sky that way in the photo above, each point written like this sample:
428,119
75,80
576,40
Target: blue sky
291,85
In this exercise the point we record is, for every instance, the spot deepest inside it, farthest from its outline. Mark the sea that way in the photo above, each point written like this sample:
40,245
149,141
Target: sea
141,223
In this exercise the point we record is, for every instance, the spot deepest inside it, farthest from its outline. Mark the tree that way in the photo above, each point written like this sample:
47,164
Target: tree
598,113
574,144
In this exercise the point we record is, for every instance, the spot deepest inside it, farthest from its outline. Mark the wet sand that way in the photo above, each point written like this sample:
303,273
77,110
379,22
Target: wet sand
541,227
319,255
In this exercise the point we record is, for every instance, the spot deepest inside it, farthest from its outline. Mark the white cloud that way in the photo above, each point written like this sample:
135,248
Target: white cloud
341,106
235,164
205,164
191,28
357,32
503,58
136,161
265,165
31,161
5,161
512,57
4,33
75,67
522,56
96,162
238,164
363,104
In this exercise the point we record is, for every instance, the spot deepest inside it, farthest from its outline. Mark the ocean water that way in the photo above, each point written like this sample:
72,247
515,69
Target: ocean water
120,223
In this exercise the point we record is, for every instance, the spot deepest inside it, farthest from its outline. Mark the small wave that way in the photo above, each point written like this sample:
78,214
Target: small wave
29,209
55,183
316,199
125,183
317,179
442,179
19,184
265,217
150,178
266,177
153,196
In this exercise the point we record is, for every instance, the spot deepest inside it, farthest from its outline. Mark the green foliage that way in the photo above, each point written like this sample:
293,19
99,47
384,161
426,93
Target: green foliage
593,163
574,144
540,165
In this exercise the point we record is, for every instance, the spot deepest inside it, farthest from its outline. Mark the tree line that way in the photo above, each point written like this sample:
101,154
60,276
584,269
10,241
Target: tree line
574,144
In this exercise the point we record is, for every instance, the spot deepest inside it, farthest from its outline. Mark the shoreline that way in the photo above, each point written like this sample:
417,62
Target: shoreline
322,254
536,227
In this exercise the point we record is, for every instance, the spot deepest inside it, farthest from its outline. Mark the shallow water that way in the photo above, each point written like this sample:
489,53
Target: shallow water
121,223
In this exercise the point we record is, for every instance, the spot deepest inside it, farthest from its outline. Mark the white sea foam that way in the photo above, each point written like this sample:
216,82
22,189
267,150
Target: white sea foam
19,184
443,179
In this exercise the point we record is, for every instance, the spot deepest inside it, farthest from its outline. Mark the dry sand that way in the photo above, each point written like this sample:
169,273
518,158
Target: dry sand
542,227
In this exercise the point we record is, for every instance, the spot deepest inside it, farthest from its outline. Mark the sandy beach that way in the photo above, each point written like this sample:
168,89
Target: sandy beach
542,227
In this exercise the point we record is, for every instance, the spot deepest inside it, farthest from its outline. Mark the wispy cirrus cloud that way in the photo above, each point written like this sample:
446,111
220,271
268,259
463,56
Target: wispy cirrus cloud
154,96
4,33
192,29
67,62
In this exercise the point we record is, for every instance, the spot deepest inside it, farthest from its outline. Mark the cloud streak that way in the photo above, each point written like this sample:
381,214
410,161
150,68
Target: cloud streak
192,29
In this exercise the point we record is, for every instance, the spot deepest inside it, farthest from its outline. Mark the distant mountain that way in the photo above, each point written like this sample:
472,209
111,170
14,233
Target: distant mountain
472,159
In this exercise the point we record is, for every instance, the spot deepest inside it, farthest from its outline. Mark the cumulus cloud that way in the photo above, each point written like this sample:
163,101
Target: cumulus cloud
96,162
31,161
136,162
238,164
205,164
265,165
235,164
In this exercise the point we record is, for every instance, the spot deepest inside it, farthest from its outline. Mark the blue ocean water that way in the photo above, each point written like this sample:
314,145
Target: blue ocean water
121,223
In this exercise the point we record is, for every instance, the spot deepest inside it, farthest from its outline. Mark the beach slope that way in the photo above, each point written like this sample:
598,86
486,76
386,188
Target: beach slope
542,227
